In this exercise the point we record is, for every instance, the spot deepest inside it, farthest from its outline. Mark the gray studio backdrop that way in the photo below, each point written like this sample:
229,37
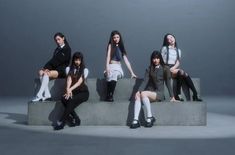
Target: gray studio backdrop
204,31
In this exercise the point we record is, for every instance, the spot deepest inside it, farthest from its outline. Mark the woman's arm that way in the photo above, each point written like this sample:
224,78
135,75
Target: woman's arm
108,57
76,84
69,82
175,69
129,66
61,57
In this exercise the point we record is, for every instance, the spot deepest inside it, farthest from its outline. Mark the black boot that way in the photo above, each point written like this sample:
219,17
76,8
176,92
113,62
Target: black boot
109,97
190,84
195,98
176,87
110,90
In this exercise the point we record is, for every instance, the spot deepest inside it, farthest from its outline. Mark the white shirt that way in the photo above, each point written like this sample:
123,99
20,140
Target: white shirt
172,55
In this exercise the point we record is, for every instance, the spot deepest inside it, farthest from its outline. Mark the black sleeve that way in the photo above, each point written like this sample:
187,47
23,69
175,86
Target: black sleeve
60,58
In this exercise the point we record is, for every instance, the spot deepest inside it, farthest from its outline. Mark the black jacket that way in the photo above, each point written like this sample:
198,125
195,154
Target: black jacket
60,59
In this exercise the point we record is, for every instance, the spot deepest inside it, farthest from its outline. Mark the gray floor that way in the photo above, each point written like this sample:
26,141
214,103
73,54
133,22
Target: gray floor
218,137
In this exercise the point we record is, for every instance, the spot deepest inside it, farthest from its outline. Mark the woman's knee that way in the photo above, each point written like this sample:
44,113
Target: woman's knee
40,72
137,95
143,94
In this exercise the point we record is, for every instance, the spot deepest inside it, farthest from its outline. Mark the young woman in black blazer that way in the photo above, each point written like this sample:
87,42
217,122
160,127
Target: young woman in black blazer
76,92
152,89
55,67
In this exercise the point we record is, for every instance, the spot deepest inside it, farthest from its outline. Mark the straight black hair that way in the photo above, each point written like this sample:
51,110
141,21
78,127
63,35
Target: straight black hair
62,36
113,44
156,54
165,41
78,55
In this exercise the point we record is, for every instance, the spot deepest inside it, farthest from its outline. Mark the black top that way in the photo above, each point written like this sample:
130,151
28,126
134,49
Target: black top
117,54
75,76
154,81
60,59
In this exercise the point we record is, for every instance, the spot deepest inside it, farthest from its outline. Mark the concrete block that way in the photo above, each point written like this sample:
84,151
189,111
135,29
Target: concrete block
125,89
120,113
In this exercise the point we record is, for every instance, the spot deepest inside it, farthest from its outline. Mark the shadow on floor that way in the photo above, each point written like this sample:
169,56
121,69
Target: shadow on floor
18,118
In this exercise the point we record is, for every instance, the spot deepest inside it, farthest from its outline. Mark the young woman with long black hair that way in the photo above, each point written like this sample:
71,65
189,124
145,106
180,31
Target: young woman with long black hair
55,67
113,71
76,92
152,89
171,55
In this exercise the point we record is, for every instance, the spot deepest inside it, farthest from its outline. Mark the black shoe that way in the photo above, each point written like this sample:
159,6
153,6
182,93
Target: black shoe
195,98
150,124
77,121
135,125
178,98
59,127
109,99
70,122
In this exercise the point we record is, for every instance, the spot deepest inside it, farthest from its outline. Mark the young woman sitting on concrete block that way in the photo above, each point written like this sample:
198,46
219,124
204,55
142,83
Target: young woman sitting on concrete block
76,93
171,55
152,89
54,68
113,71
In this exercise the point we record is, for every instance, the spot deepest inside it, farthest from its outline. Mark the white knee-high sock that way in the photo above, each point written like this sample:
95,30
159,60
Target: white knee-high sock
137,109
44,84
147,105
47,91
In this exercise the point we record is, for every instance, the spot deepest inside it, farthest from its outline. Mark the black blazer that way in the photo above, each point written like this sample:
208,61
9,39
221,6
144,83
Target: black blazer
60,59
154,81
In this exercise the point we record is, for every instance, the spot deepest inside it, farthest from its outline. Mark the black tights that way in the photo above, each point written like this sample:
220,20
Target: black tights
71,104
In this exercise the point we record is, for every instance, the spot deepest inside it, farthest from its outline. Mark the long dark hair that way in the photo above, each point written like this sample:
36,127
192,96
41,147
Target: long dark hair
165,41
113,44
156,54
61,36
77,55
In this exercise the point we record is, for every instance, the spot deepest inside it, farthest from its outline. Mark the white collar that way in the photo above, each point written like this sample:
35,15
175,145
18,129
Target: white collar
157,66
62,46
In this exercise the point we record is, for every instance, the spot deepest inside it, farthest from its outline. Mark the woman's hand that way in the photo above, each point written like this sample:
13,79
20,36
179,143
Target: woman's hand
107,71
133,75
68,94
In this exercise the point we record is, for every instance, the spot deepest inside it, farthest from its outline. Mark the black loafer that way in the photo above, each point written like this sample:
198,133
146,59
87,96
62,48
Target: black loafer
59,127
77,122
70,122
150,124
135,125
109,99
